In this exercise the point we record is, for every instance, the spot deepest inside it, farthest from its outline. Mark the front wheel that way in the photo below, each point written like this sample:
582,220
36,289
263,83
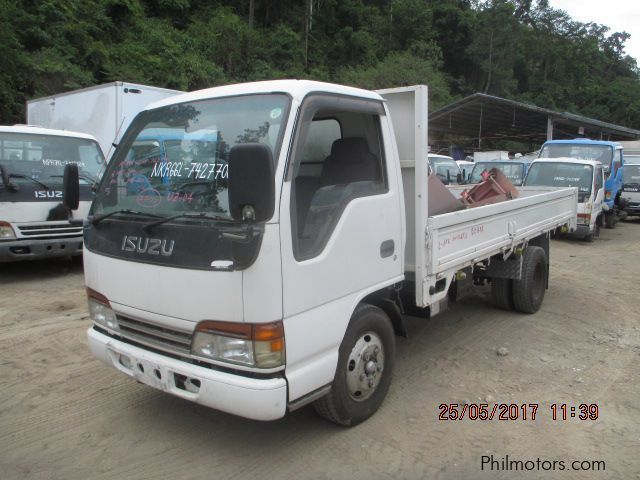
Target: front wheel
595,233
365,367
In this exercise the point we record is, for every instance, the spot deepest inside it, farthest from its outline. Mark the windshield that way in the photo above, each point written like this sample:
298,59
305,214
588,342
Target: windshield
512,170
173,159
631,174
600,153
445,168
560,174
25,156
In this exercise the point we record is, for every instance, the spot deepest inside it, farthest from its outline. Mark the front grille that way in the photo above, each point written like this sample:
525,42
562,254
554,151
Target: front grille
63,230
164,338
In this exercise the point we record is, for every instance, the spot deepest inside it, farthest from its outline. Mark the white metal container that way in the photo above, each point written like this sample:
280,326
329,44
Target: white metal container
104,111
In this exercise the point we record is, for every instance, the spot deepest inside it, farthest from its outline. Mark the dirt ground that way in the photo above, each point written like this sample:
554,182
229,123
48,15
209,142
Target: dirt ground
64,415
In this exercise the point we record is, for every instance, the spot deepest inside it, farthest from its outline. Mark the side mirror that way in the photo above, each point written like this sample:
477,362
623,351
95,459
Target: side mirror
71,187
6,181
251,183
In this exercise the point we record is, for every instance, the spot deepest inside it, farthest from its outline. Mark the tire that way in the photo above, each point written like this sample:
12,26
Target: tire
528,292
595,233
502,293
610,220
365,366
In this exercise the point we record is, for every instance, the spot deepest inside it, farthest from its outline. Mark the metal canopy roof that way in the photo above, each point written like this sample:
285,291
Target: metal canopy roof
481,117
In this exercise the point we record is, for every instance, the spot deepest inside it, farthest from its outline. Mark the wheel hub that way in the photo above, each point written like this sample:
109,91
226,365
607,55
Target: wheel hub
365,366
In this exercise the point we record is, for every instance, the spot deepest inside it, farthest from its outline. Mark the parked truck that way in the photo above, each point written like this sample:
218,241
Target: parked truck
609,154
104,111
34,223
283,282
631,187
587,176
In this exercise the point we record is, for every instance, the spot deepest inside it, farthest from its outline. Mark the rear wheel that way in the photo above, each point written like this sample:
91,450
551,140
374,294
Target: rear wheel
502,293
364,370
528,292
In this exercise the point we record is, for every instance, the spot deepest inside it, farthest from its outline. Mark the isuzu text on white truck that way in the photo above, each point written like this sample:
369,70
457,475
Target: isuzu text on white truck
33,222
266,266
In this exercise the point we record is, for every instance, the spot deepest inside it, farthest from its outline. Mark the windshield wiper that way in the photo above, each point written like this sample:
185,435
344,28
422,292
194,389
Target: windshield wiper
19,175
84,176
198,216
99,218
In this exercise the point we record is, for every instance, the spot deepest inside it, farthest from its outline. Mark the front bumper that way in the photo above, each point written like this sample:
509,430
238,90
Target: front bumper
581,230
258,399
632,209
33,249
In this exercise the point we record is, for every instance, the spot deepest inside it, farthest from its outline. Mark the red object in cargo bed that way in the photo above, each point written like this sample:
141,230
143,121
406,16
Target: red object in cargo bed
494,188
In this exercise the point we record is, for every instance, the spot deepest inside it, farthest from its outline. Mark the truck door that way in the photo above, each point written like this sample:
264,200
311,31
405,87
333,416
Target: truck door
340,222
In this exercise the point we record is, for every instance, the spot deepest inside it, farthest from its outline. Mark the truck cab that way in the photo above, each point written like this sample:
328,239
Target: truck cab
514,170
609,154
446,168
631,186
587,176
34,224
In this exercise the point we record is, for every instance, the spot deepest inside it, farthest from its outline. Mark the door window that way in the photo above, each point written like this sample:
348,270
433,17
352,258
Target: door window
338,157
617,161
599,181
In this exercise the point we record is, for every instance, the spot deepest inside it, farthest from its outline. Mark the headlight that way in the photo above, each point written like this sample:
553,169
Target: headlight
100,310
256,345
6,232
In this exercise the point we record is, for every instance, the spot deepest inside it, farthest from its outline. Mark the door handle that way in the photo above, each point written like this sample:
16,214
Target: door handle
387,248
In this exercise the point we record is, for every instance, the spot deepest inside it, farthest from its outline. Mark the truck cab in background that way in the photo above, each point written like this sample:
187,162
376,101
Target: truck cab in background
446,169
587,176
514,170
631,185
609,154
34,223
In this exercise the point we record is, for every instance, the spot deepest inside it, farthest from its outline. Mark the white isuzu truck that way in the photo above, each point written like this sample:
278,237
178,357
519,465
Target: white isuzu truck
34,223
266,264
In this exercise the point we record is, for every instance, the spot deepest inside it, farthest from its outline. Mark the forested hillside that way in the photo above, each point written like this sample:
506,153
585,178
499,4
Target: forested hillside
519,49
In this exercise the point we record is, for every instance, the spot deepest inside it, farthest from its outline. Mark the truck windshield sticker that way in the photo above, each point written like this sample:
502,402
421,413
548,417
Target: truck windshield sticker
61,163
194,170
275,113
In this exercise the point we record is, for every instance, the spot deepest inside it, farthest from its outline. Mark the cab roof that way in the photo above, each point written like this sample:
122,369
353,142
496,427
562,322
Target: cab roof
298,89
593,163
37,130
583,141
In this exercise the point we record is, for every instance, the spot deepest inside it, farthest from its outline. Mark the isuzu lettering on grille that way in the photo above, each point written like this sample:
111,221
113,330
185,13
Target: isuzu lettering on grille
48,193
150,246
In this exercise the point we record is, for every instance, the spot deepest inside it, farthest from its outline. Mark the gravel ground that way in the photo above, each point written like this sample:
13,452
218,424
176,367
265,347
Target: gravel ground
64,415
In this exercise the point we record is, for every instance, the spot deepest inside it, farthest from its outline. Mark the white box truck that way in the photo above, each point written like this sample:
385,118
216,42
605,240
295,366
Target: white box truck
266,265
104,111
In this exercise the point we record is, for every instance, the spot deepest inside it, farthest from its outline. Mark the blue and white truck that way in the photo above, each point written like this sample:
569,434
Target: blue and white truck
609,154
